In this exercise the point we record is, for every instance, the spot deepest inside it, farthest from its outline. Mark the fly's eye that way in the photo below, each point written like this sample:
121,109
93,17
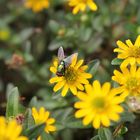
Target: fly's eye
62,63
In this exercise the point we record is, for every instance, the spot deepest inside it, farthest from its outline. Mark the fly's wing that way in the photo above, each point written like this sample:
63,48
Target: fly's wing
68,60
61,55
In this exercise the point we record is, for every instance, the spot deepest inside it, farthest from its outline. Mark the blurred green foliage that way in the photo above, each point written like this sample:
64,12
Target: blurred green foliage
35,39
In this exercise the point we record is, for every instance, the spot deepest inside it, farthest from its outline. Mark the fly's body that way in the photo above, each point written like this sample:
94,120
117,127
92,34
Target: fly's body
61,69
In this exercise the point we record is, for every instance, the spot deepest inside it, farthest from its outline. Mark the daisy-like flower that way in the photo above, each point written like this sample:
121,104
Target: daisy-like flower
75,76
80,5
42,116
129,80
10,130
129,52
99,105
37,5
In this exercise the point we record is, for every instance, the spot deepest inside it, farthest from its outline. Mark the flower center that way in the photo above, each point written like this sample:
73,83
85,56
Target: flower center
135,52
133,85
71,74
99,102
83,1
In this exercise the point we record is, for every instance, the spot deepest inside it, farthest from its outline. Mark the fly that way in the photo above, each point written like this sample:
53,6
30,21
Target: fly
64,62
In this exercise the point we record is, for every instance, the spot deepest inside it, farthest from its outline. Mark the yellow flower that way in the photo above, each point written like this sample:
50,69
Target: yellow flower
80,5
10,130
98,105
129,80
39,138
129,52
42,116
75,76
37,5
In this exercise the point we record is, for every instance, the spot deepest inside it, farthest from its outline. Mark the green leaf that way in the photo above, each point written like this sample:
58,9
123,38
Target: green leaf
123,130
93,66
127,116
54,26
45,136
33,102
138,138
59,126
12,108
34,131
95,138
74,123
116,61
118,137
105,134
29,121
67,134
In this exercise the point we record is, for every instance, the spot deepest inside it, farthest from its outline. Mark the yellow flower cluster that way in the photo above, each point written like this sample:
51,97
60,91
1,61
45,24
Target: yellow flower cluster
98,104
129,77
37,5
10,130
42,116
79,5
129,52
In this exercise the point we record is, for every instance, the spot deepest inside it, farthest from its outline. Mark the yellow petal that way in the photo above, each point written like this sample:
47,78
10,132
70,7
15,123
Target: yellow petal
86,75
97,86
59,85
50,128
105,120
138,60
79,86
22,138
122,45
124,63
82,96
96,122
83,81
88,89
106,88
79,63
81,105
55,79
117,73
88,119
114,116
117,109
65,90
46,116
92,5
39,138
132,60
125,70
81,113
129,43
119,50
117,100
133,70
137,42
73,90
53,70
84,67
50,121
76,10
117,90
74,59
